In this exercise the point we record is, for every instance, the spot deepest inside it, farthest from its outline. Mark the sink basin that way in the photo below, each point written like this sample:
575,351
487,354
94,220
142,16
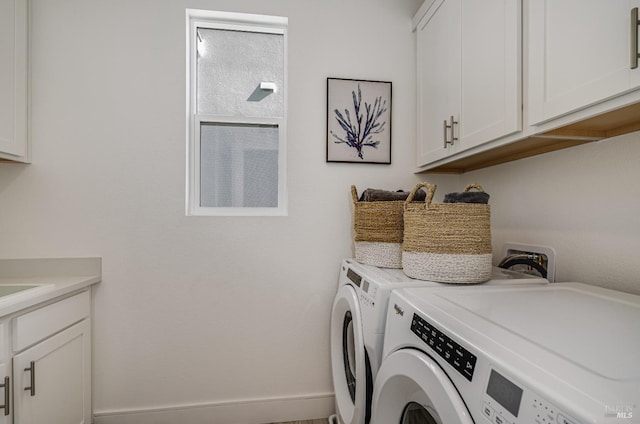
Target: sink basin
6,290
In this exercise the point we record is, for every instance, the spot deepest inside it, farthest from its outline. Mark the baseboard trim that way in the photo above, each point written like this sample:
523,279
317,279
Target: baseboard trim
246,411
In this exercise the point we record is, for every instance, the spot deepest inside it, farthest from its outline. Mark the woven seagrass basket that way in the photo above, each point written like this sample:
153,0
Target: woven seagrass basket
378,231
446,242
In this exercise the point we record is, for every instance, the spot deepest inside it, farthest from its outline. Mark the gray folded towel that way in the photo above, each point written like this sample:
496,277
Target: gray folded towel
377,195
467,197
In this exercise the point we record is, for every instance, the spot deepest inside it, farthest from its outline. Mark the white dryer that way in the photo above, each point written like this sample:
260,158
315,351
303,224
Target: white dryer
357,329
564,353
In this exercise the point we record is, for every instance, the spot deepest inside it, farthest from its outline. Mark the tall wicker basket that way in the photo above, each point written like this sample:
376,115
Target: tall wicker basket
378,231
446,242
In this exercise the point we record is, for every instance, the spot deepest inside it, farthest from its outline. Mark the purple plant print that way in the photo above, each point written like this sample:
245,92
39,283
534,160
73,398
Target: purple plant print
361,131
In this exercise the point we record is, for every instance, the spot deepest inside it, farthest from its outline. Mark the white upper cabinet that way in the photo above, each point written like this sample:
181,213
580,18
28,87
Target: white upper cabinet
468,75
580,53
14,18
438,59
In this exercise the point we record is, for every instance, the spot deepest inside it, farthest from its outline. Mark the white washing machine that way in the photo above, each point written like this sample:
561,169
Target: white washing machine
564,353
357,329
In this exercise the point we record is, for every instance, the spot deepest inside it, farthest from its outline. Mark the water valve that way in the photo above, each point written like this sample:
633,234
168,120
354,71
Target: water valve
536,260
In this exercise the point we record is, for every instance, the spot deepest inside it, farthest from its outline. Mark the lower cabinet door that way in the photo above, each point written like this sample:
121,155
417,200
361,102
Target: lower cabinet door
52,379
6,409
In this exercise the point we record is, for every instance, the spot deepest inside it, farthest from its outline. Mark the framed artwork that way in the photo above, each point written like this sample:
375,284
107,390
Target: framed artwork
358,121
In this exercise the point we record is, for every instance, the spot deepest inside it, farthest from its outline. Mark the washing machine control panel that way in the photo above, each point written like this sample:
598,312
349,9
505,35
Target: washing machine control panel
366,290
354,277
457,356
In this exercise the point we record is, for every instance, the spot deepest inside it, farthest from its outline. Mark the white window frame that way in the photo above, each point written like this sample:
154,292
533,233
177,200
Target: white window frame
238,22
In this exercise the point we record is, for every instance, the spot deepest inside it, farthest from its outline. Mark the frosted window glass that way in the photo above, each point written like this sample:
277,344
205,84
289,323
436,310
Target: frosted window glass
239,165
231,66
237,114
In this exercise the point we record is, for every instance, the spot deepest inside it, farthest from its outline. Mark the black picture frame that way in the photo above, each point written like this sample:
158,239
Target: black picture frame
358,121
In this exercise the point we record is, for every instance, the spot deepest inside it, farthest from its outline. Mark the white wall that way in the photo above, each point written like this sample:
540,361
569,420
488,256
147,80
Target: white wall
581,201
230,315
227,314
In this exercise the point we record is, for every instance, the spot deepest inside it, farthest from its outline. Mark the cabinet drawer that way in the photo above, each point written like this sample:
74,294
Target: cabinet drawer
42,323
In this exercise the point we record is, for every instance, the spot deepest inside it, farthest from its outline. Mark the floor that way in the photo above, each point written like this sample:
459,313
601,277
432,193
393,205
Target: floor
319,421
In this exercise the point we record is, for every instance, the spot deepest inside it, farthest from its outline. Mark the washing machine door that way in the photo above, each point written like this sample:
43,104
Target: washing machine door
351,373
411,388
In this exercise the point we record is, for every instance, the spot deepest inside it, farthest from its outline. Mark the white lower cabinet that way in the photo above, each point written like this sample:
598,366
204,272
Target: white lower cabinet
50,353
52,379
5,394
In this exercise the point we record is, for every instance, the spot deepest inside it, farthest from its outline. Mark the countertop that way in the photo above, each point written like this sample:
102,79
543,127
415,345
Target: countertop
55,277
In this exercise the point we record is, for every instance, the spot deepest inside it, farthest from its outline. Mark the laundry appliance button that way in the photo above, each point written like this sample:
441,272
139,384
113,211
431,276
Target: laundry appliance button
487,411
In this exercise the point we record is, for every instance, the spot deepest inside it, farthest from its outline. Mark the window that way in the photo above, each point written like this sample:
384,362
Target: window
236,102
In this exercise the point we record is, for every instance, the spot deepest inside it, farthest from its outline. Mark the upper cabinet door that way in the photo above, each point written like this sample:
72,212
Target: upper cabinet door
438,78
13,79
491,48
579,54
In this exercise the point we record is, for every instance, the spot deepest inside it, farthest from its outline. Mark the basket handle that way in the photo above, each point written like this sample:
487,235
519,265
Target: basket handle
431,190
474,185
354,194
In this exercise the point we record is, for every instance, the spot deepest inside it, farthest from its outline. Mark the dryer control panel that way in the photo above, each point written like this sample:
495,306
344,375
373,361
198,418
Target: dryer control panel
457,356
507,402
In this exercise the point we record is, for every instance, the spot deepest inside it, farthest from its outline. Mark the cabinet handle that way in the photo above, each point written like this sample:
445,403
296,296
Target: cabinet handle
451,127
445,134
453,123
6,387
32,387
634,38
446,127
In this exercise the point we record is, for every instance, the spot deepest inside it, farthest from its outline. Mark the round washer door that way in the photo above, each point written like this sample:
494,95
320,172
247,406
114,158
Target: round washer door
411,388
348,357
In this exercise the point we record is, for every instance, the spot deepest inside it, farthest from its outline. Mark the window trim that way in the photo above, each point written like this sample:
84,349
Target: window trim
239,22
